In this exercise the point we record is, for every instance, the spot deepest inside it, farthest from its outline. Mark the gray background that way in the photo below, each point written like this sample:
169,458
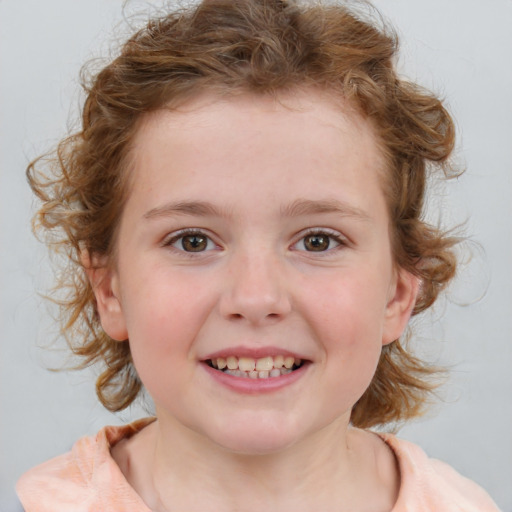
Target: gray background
460,48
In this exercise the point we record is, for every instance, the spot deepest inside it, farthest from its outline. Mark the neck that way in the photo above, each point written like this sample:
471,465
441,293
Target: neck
332,470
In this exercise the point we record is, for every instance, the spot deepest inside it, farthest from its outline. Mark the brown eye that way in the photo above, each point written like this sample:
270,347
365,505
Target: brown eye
190,241
317,243
194,243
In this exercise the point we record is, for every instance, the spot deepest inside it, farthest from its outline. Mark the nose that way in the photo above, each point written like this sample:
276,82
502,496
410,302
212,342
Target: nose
256,289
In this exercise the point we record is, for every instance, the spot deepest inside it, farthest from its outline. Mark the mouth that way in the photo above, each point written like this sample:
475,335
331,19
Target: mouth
268,367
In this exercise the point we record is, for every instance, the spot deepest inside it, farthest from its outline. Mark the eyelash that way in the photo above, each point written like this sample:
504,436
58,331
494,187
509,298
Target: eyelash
175,237
323,232
330,234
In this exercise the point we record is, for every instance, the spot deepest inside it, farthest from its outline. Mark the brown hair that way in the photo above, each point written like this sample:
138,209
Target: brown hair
263,47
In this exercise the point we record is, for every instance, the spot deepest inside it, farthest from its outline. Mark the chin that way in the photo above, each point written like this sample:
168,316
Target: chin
255,438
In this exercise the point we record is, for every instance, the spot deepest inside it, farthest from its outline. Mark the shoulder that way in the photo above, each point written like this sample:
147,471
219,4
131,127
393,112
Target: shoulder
85,479
431,485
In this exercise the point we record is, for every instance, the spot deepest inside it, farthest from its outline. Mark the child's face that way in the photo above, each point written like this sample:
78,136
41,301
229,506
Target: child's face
255,230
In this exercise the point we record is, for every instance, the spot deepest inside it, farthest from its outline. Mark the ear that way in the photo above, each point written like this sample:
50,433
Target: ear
105,285
401,303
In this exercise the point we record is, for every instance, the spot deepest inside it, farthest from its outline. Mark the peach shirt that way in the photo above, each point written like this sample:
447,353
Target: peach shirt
87,479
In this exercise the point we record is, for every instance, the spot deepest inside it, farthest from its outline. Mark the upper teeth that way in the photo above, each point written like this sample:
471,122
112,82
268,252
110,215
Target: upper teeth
248,364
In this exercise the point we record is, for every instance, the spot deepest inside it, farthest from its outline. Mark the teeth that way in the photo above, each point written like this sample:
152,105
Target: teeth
278,362
262,368
246,364
288,362
232,363
265,364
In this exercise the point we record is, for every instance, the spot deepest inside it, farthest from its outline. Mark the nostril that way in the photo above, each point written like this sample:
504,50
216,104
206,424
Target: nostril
240,316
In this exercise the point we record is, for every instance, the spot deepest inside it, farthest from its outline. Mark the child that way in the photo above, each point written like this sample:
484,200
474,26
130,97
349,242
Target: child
243,212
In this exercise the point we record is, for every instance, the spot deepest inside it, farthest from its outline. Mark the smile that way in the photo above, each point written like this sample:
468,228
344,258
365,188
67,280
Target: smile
262,368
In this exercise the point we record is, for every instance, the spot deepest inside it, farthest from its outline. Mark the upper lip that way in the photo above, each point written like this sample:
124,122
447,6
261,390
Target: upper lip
254,352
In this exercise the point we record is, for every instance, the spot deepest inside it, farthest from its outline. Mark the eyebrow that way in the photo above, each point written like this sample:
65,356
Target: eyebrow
310,207
196,208
297,208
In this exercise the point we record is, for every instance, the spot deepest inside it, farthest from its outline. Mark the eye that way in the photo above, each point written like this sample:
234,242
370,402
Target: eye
190,241
318,241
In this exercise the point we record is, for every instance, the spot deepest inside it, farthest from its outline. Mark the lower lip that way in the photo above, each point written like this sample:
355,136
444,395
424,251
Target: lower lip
255,386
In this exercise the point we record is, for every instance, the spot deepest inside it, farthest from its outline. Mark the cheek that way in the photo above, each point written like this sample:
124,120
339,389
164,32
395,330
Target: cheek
164,316
350,309
347,319
163,301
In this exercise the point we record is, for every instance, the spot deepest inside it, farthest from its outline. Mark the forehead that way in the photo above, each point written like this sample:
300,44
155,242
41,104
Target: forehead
300,138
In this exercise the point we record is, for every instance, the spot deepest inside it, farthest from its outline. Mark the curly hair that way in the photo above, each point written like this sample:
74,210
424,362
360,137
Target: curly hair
261,47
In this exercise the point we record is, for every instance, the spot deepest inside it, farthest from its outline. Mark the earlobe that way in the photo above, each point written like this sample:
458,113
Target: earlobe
400,305
104,282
